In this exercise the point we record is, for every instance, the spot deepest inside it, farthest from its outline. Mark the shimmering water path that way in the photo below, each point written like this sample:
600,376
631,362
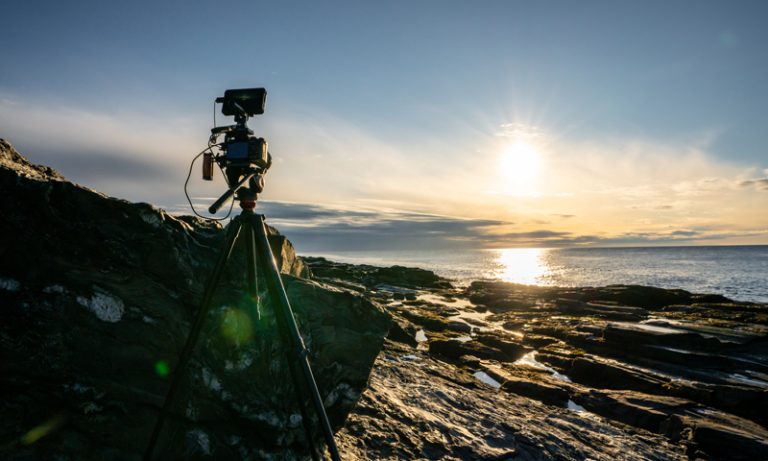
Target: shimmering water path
739,272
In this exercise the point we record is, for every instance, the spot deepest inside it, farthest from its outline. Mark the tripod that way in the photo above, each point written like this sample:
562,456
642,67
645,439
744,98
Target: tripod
251,227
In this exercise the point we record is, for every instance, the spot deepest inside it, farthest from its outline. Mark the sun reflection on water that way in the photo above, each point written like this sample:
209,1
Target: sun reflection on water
521,265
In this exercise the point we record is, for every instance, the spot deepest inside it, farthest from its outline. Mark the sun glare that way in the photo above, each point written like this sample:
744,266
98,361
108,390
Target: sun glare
520,163
521,265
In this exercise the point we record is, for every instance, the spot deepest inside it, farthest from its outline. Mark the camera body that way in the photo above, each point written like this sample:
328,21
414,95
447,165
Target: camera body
240,152
244,149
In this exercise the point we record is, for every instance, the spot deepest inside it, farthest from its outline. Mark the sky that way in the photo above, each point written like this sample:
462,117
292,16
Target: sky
414,124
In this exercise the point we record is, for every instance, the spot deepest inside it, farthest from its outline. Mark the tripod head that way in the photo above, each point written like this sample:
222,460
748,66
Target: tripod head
243,157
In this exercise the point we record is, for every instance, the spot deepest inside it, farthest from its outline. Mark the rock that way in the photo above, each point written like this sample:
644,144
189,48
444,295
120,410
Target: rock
653,370
646,411
723,436
531,383
630,335
638,296
718,434
371,276
409,277
460,327
12,160
425,319
746,402
285,255
544,393
598,373
485,348
423,409
97,297
510,349
606,311
403,332
499,296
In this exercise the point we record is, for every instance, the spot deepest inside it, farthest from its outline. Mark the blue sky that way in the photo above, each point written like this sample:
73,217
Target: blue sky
649,114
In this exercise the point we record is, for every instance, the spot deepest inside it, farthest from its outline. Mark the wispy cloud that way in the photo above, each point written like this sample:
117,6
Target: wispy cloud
141,156
316,227
323,228
761,183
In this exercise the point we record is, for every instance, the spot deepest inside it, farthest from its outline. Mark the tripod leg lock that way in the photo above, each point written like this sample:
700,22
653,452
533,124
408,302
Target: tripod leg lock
301,353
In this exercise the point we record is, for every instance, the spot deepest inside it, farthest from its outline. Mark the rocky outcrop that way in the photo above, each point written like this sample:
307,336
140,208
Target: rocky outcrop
372,276
285,255
97,296
505,371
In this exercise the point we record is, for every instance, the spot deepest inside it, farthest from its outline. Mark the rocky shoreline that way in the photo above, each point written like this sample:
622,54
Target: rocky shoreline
98,294
504,371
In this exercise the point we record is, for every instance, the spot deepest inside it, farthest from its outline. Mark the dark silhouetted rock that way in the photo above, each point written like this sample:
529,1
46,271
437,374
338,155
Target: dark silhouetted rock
97,296
371,276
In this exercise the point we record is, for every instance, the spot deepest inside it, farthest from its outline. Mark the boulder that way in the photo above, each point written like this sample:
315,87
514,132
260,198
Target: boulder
97,297
285,255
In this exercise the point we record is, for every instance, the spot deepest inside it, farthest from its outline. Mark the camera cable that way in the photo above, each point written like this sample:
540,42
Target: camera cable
186,183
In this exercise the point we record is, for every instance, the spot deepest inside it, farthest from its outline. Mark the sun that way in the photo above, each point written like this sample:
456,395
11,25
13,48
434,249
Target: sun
520,164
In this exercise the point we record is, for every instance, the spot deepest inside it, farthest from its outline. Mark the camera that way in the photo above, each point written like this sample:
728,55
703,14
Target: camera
241,152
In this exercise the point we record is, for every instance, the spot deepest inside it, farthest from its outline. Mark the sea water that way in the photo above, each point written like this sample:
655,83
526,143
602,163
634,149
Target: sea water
738,272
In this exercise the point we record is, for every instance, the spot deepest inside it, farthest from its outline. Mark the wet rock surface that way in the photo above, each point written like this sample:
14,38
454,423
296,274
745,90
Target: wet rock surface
503,371
97,297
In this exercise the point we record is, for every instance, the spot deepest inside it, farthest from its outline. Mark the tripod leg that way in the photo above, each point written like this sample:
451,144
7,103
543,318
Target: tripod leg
253,287
297,351
197,324
251,236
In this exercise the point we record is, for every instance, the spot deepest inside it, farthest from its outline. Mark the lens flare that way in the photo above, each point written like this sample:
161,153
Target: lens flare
162,369
236,326
38,432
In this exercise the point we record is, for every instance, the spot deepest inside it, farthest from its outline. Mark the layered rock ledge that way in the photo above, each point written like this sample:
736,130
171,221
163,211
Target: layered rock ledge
504,371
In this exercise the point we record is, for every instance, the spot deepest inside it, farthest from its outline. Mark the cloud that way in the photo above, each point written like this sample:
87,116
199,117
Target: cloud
141,156
97,166
541,238
520,131
322,228
761,183
684,233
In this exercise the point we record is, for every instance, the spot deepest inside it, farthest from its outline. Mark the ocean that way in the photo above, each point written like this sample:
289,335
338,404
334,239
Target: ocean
738,272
